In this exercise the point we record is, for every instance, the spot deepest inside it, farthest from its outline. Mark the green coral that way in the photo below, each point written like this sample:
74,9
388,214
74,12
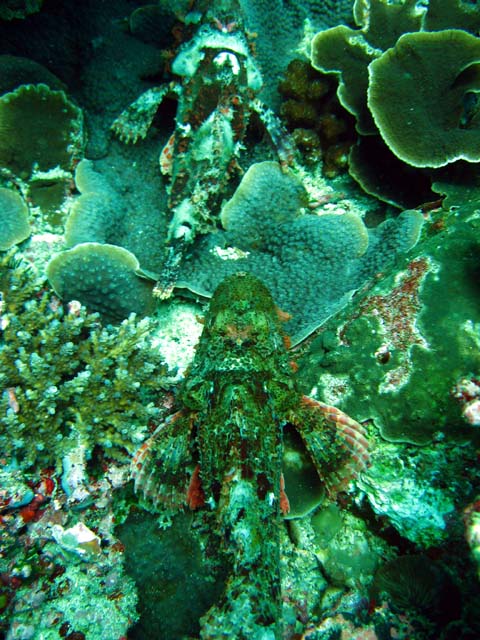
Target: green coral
67,379
41,129
423,318
104,213
421,79
416,502
423,96
454,14
14,223
384,176
104,277
348,52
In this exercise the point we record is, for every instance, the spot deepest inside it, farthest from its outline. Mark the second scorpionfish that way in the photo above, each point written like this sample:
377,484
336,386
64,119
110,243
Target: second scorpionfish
221,453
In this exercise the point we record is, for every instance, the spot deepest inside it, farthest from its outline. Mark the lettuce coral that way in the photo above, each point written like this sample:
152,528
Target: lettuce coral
347,52
411,82
422,94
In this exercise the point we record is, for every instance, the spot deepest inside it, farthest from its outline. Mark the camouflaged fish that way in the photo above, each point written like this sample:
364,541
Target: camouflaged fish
217,87
221,452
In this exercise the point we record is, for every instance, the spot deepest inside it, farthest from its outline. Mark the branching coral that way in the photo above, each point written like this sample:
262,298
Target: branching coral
67,380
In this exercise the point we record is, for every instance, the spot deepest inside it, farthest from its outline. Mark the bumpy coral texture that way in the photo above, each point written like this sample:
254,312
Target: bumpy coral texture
280,25
104,213
104,277
297,256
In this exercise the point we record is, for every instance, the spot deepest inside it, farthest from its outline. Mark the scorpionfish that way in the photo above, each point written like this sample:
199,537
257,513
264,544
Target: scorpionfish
221,452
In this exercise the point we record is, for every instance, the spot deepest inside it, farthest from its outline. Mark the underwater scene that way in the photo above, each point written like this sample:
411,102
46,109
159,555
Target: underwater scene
240,320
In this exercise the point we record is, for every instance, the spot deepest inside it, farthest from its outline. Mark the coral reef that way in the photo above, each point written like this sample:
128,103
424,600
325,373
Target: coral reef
61,570
220,82
442,126
105,277
14,222
403,326
175,578
281,26
257,513
320,127
50,116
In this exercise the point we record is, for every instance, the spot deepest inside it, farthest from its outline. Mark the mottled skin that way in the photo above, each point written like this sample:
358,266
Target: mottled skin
217,93
222,452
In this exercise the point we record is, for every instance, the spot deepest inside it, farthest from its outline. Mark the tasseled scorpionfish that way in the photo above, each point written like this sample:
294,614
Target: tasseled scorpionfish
221,452
217,88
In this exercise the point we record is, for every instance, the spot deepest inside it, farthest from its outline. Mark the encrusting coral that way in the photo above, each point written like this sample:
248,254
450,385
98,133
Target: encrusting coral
267,235
406,324
104,214
105,277
67,382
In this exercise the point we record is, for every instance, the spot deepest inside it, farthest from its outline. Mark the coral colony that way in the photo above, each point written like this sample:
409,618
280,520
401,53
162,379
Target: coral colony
239,320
